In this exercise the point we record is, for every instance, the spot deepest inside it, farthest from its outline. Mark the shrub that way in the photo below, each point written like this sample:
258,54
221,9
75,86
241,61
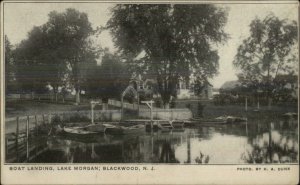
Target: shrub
77,117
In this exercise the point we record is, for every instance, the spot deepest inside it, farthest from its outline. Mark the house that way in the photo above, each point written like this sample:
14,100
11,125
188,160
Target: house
287,83
186,89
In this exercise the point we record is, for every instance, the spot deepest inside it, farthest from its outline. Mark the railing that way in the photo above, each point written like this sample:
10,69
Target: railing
21,131
159,113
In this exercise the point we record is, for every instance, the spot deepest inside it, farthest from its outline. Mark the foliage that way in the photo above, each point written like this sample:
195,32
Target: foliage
270,50
109,79
10,69
54,52
169,41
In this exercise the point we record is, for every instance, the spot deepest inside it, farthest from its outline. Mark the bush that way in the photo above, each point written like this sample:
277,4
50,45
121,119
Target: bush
56,120
173,103
77,117
200,109
158,102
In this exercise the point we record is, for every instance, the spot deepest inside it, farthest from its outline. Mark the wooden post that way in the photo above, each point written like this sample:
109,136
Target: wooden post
151,117
17,129
122,111
149,104
17,139
246,104
43,119
92,112
27,138
6,149
138,105
36,125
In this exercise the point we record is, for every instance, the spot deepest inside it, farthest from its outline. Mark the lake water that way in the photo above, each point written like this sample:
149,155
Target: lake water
251,142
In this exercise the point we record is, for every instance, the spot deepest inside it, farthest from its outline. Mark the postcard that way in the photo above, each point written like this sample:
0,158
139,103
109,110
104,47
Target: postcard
149,92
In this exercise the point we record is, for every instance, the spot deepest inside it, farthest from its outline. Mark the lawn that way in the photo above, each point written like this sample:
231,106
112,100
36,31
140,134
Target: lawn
27,107
209,110
23,108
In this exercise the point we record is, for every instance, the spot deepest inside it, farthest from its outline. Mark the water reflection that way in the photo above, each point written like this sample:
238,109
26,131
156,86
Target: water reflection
254,142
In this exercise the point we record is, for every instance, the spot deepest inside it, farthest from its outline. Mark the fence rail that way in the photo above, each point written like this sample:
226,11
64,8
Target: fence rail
159,113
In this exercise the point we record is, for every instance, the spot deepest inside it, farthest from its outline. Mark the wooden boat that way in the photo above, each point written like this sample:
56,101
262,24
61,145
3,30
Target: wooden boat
164,125
177,124
99,128
112,129
78,132
209,121
148,126
233,119
290,115
133,129
219,120
118,130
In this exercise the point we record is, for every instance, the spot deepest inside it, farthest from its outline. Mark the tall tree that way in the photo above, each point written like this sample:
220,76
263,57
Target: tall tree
170,41
109,79
267,52
73,30
31,72
56,52
10,68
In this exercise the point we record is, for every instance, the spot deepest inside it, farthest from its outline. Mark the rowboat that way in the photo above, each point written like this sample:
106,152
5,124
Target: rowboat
164,125
112,129
119,130
209,121
232,119
133,129
99,128
78,132
178,125
154,125
290,115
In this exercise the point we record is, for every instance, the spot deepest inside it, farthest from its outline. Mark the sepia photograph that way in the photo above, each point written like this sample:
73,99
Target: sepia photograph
150,83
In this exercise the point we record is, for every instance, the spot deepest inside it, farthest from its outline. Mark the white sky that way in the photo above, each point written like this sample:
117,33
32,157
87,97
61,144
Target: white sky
19,19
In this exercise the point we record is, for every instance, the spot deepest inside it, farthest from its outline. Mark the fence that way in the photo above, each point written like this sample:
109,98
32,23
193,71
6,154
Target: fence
21,131
126,105
158,113
48,96
169,114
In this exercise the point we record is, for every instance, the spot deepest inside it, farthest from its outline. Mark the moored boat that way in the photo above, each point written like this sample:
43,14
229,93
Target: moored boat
177,124
133,129
164,125
118,130
78,132
112,129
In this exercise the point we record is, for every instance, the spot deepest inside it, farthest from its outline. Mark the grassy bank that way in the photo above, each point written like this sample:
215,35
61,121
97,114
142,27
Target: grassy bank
28,107
209,110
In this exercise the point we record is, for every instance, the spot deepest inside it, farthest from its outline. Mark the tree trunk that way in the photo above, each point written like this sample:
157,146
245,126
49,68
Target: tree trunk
104,106
104,103
77,97
167,105
56,94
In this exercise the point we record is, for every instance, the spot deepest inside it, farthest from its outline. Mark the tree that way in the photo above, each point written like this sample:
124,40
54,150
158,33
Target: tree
72,30
109,79
268,51
31,71
10,68
56,53
169,41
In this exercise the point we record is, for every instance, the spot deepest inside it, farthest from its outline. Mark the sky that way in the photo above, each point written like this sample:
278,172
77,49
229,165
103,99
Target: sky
20,18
